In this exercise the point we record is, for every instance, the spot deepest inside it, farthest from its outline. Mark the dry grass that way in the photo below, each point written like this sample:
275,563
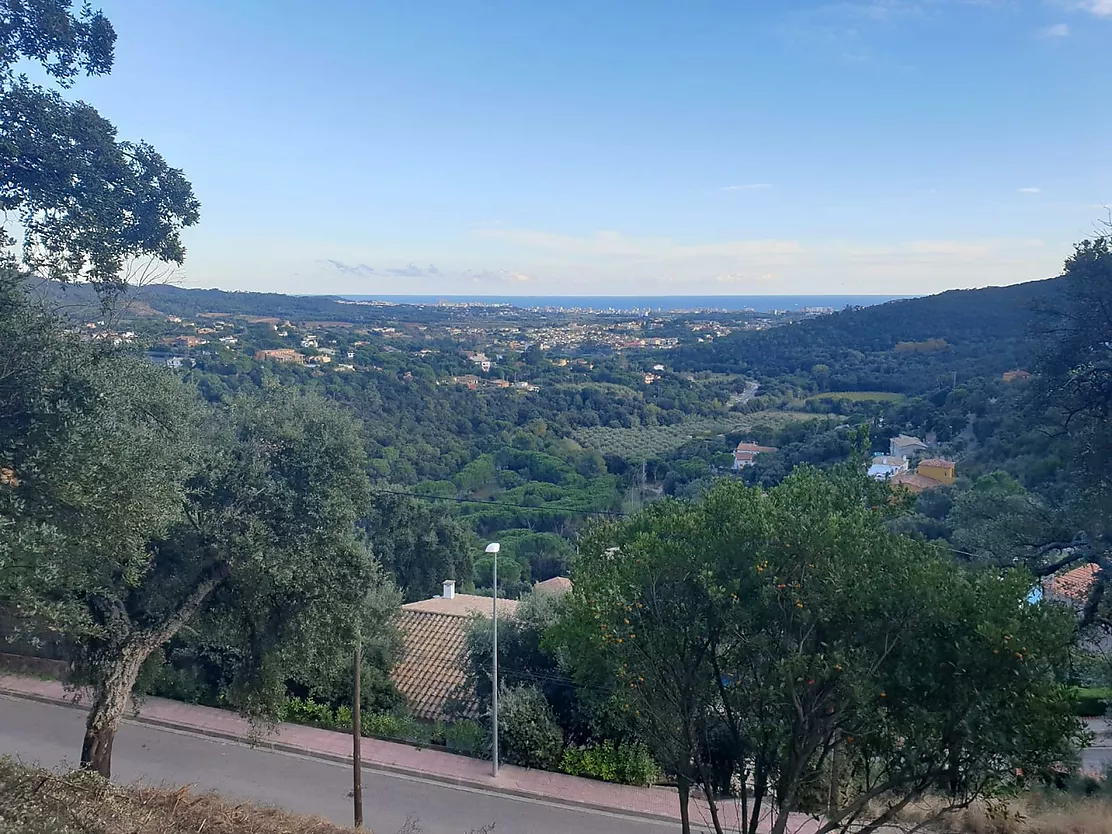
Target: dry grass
1033,814
36,801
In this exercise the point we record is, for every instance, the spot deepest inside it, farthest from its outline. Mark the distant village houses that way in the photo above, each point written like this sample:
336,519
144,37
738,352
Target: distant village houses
280,355
746,454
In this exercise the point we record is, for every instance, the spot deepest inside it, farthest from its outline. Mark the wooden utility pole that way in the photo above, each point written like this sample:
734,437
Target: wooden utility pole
357,736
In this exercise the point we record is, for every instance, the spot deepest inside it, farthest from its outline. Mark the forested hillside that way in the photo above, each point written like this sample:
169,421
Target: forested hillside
905,346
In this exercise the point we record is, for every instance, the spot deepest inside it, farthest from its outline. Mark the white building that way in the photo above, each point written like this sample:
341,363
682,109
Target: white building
906,446
887,466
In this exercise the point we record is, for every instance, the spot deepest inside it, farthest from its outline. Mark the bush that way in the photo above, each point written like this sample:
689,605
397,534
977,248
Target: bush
310,712
1092,701
390,725
466,737
530,735
627,764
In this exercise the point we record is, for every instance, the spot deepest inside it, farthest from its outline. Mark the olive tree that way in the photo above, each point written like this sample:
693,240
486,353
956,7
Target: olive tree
785,646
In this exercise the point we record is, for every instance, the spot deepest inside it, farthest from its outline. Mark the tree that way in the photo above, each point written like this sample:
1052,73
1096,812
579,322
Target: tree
142,512
85,201
417,543
1074,391
787,640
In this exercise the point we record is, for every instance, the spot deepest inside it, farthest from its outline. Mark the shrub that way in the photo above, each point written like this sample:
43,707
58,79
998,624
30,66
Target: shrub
390,725
1092,701
466,737
628,764
531,737
310,712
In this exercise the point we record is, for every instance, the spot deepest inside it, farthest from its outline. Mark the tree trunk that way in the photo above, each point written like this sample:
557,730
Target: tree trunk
684,785
113,692
110,701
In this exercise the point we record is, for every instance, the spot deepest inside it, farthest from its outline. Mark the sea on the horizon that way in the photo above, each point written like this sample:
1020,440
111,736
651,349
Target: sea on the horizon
656,303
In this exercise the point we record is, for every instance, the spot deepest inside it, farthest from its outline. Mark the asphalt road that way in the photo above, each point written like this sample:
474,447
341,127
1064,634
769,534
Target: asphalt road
1097,759
51,735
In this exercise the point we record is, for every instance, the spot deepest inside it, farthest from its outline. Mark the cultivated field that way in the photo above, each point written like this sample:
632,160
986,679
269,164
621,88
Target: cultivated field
649,441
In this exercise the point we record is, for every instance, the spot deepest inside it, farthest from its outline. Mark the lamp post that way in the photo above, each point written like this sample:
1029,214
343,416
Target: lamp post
356,735
493,549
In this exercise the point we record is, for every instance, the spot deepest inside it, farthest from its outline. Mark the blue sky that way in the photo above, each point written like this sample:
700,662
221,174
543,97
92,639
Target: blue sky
639,147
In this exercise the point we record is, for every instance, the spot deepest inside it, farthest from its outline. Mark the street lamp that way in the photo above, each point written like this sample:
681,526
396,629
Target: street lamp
493,549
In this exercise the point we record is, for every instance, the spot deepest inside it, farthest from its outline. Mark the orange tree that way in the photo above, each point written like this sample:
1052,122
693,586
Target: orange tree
786,647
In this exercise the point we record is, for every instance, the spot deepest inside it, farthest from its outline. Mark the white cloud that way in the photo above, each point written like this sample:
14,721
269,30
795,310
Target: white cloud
1030,190
1058,30
756,186
1099,8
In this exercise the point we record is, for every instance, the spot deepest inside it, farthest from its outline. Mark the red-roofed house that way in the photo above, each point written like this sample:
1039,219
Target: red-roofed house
435,635
746,453
1073,586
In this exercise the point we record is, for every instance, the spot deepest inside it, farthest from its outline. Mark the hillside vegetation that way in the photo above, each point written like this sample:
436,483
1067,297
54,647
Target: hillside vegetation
903,346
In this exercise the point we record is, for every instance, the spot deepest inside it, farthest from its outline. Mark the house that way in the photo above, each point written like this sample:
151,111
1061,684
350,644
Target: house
434,632
885,466
1073,586
170,360
651,378
557,586
228,340
929,474
189,341
746,454
1018,375
469,380
280,355
905,446
938,469
480,359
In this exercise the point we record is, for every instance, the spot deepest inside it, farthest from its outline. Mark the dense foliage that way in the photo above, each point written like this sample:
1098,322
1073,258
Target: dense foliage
770,637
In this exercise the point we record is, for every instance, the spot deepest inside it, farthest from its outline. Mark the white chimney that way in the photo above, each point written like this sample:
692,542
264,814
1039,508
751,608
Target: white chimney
449,589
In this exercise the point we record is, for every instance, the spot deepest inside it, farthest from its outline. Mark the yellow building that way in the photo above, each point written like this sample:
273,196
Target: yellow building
937,469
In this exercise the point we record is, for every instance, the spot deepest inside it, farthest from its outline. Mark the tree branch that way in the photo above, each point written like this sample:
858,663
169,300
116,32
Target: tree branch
159,634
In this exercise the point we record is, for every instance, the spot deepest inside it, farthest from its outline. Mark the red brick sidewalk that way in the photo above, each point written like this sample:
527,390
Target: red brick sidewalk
659,803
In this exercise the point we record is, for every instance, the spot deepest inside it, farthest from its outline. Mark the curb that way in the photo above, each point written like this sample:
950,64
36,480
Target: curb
282,747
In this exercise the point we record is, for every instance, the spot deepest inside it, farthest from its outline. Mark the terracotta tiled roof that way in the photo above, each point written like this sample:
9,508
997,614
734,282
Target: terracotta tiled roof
435,635
915,482
908,440
463,605
754,448
556,586
432,667
940,462
1074,584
